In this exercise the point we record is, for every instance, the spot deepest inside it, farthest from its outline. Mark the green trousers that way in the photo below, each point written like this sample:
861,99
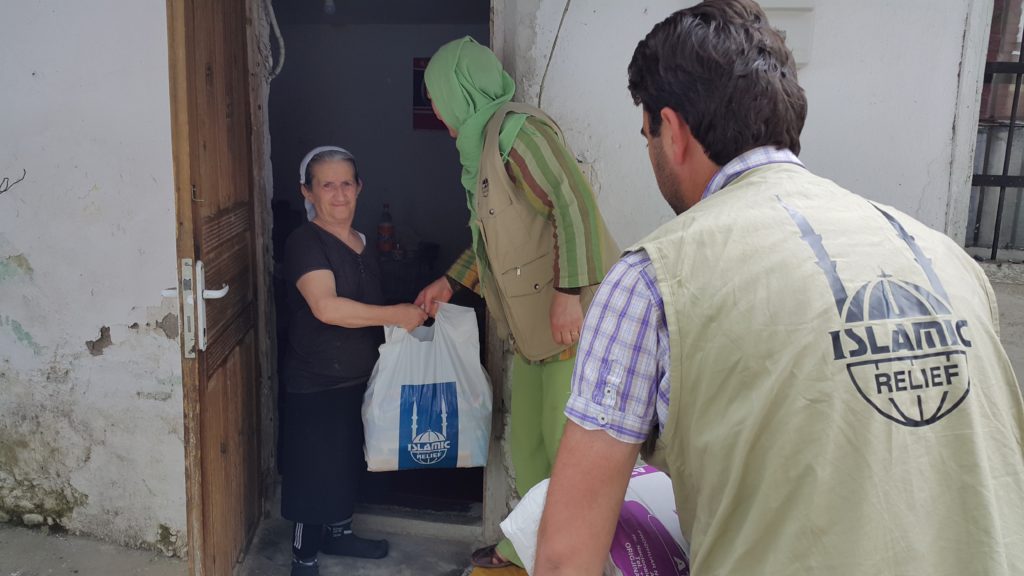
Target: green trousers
539,394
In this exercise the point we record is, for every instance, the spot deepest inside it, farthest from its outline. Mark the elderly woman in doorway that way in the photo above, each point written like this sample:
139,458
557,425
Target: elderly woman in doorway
539,249
336,307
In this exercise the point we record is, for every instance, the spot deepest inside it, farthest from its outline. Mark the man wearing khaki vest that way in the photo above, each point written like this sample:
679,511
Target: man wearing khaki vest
823,374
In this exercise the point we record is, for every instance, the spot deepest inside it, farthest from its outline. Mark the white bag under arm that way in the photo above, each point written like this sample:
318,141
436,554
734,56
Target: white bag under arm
647,538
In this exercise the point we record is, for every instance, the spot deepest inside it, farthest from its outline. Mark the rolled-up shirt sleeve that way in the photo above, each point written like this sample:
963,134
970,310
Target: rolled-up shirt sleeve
621,368
465,271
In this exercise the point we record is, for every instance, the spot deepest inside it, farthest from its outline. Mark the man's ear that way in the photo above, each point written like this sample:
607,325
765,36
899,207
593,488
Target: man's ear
675,135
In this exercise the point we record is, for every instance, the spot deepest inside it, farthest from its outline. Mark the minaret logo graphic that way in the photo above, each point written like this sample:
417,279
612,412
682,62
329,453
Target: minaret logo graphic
904,348
429,447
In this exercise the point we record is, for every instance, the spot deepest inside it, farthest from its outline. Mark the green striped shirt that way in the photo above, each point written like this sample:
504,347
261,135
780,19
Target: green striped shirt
546,173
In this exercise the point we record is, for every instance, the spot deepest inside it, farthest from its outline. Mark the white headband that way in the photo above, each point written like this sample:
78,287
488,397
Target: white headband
305,161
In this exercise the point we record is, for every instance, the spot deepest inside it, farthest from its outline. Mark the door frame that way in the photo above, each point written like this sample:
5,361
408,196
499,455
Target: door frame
497,488
183,142
178,39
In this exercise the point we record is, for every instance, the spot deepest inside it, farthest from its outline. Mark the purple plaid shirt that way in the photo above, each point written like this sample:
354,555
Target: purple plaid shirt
621,379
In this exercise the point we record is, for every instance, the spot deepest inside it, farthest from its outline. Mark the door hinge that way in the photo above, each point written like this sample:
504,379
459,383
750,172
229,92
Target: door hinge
195,192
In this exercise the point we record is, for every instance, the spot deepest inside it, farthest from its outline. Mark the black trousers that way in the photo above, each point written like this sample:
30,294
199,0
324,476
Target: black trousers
322,454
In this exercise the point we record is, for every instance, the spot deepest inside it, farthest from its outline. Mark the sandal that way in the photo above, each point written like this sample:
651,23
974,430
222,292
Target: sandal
488,557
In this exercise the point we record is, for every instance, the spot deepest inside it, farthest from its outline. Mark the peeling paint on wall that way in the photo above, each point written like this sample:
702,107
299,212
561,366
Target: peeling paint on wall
63,472
30,505
29,502
20,334
91,431
170,542
169,325
16,265
97,346
9,449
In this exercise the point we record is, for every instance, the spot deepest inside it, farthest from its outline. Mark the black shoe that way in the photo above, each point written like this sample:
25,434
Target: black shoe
354,546
303,569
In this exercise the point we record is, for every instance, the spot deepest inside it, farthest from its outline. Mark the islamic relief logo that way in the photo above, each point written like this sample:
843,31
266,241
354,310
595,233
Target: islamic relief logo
904,348
904,351
428,431
430,447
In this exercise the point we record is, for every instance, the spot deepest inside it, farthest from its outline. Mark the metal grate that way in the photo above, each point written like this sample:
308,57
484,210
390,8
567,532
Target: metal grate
997,194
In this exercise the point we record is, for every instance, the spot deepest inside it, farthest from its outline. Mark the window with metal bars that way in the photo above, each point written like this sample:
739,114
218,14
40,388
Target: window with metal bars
995,225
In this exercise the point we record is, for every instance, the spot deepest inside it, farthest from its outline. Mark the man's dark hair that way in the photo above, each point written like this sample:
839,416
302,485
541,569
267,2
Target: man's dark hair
727,73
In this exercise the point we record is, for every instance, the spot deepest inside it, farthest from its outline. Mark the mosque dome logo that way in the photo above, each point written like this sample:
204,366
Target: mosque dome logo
904,347
906,351
429,448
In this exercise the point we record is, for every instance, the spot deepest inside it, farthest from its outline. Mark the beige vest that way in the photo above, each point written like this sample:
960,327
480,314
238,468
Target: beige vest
841,403
518,281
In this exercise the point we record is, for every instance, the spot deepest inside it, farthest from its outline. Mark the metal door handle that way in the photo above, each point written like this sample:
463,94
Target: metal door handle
194,311
215,294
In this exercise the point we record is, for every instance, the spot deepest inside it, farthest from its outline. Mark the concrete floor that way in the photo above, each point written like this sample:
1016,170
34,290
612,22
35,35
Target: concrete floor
25,552
446,554
1010,297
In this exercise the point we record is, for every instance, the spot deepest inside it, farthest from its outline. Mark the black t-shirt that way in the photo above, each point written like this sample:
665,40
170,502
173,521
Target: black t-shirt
319,355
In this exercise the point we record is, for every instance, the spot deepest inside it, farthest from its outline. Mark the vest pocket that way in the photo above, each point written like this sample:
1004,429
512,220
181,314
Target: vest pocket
526,300
530,278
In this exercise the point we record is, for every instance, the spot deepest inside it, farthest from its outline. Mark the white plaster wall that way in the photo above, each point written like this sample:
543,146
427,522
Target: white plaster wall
883,91
882,82
92,442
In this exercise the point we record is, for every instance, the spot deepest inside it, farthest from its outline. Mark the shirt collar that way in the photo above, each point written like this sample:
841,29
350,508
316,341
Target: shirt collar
747,161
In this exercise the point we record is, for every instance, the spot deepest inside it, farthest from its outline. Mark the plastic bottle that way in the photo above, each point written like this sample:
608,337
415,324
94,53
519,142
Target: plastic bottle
385,231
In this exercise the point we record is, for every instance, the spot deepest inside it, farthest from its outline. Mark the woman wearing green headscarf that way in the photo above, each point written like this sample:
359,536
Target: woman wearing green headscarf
539,247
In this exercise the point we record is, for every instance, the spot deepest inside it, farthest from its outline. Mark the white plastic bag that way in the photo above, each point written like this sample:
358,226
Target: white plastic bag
647,538
428,402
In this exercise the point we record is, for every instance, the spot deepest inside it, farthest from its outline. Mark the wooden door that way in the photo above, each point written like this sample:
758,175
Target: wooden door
215,216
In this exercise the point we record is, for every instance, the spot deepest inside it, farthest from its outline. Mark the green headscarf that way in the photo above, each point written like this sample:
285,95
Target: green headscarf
467,85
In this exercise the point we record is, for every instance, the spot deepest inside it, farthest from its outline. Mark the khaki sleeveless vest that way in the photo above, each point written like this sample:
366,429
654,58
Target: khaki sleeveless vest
841,403
518,280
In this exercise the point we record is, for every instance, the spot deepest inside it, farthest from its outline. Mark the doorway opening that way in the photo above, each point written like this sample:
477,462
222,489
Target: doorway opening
352,78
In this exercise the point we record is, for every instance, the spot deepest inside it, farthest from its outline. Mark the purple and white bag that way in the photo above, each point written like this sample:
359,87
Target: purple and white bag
647,538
